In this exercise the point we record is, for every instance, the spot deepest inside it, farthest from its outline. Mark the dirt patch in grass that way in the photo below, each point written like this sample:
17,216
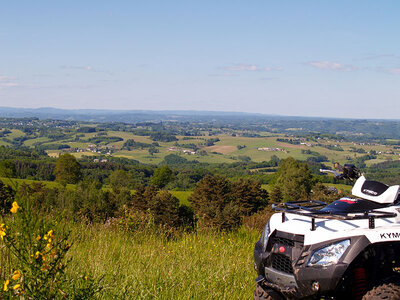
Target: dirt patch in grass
222,149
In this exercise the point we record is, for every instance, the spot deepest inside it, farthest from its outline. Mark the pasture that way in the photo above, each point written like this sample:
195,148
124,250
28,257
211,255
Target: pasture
228,149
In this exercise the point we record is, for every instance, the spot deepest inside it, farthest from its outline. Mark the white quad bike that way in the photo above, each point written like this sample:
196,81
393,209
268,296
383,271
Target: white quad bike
349,249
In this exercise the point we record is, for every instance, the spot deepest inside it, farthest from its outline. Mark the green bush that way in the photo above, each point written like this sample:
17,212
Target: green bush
37,258
221,204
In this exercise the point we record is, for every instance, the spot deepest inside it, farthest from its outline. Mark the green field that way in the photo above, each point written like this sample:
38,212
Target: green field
224,151
15,133
154,265
17,182
31,142
182,196
150,266
4,143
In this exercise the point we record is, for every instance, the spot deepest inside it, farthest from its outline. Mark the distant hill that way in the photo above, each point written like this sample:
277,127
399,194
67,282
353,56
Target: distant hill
126,116
356,128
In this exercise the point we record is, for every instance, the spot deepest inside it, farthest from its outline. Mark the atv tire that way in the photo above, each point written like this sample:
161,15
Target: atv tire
266,294
388,291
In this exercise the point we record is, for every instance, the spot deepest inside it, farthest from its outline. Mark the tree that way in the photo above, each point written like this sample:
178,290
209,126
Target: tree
276,194
153,150
120,179
7,169
164,207
42,197
162,176
174,159
244,158
162,137
320,192
249,195
92,202
122,198
274,160
142,196
68,169
294,180
222,204
210,200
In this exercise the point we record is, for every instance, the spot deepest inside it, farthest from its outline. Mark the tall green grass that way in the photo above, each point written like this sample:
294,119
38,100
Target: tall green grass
147,265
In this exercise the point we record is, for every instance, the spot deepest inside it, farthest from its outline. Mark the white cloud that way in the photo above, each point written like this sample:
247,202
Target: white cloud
6,82
393,71
86,68
243,67
273,69
333,66
251,68
5,78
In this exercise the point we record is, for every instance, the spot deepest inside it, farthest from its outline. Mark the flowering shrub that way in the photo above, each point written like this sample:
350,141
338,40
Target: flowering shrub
38,253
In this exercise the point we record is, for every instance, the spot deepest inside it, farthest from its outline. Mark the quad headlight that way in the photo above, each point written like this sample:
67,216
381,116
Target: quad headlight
264,235
329,255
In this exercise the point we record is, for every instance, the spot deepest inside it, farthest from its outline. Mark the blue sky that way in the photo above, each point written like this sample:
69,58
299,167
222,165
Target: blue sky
305,58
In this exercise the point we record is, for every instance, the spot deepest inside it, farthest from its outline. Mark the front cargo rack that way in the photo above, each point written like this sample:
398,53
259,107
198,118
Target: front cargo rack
308,209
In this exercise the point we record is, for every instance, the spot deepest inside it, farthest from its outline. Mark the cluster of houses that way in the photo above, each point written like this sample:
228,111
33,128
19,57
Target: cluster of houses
366,144
271,149
186,151
98,160
95,149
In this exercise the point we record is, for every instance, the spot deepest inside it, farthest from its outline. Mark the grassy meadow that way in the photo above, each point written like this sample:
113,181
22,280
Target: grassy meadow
155,265
147,265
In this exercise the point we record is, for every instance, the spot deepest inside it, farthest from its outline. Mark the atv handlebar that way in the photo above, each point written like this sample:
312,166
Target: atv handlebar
347,172
330,171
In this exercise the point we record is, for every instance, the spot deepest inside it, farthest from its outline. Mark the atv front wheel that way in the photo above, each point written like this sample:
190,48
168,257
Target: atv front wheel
388,291
266,294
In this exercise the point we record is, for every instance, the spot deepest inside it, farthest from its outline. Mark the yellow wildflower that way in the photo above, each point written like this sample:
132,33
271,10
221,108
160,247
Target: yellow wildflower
16,286
14,207
2,233
38,238
37,254
50,233
6,283
44,268
16,275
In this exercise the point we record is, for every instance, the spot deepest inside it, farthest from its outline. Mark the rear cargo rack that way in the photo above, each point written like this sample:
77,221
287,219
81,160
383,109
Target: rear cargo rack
308,209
